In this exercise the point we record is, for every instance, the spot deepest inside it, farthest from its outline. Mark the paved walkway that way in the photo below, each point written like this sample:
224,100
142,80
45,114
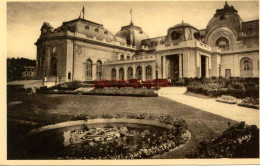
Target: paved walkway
231,111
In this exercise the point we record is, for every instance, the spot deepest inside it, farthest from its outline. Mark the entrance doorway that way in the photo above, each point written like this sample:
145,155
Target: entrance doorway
203,66
173,66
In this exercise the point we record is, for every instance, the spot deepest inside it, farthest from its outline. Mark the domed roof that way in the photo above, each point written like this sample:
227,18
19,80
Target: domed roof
182,25
225,17
89,28
133,34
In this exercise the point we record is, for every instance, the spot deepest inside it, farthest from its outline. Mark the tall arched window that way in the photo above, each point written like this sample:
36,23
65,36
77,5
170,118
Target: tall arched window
113,74
222,42
53,67
148,72
130,73
99,70
246,69
121,73
88,70
139,73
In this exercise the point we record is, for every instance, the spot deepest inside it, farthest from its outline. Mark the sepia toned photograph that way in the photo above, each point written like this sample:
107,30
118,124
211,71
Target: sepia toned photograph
131,80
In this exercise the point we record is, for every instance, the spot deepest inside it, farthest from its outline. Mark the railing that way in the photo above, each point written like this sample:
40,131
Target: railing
189,43
135,59
248,34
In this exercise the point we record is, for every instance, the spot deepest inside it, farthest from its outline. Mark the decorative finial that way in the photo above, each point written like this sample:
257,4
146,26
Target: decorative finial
131,16
83,11
80,15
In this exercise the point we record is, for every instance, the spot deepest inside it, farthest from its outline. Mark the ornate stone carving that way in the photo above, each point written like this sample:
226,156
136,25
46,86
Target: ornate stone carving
46,28
79,50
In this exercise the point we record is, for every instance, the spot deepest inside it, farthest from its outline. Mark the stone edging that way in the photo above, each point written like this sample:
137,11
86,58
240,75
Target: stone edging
96,121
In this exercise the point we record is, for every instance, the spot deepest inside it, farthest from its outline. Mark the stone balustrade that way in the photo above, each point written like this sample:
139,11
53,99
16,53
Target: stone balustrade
135,59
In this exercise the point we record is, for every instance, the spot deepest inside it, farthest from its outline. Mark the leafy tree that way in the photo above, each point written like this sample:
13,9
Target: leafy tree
15,67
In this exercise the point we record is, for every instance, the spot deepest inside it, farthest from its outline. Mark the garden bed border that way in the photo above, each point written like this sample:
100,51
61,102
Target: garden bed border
100,120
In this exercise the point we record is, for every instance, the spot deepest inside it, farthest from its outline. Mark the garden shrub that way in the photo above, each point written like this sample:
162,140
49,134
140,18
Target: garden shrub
237,87
238,141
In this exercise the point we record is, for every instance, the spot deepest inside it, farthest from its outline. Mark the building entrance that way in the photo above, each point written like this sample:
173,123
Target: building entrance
203,66
173,66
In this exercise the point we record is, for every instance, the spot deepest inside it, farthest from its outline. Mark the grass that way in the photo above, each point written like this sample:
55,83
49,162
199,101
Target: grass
46,109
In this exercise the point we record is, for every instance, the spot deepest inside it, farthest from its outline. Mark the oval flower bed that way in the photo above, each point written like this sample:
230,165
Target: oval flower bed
152,135
227,99
249,102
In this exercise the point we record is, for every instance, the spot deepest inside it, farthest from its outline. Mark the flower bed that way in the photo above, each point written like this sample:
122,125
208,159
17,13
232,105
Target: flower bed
249,102
117,142
214,87
227,99
238,141
157,144
136,92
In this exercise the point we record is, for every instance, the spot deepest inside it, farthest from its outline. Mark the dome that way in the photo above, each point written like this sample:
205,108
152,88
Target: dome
181,25
133,34
225,17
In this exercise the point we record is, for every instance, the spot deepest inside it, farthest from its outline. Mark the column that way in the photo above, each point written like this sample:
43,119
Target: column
210,73
125,72
154,68
94,71
207,67
164,67
134,71
198,65
180,65
143,72
117,73
48,61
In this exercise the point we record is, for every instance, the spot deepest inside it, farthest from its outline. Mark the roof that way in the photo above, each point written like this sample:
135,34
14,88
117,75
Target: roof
182,25
133,34
83,20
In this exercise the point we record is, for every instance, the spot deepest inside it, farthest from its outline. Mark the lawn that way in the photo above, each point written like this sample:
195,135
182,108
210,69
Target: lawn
46,109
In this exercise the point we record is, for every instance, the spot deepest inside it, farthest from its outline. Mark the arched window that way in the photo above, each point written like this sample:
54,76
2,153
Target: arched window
99,70
122,57
246,69
128,57
148,72
139,73
222,42
130,73
88,70
121,73
113,74
53,67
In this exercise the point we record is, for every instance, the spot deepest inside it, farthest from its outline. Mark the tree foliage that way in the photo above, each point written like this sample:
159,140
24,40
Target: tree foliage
15,67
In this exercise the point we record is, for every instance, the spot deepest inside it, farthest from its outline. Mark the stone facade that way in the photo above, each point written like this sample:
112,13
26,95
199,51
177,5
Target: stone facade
81,50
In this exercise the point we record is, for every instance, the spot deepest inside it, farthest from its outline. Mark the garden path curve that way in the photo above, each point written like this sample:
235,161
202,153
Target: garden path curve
231,111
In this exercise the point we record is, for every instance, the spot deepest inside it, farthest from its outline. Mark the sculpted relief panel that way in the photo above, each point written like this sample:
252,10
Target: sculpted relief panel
221,32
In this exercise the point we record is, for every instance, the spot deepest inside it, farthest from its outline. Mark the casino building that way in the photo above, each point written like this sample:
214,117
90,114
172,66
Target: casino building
82,50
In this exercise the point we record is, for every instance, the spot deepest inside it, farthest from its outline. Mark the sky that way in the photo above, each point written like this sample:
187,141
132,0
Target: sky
24,19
